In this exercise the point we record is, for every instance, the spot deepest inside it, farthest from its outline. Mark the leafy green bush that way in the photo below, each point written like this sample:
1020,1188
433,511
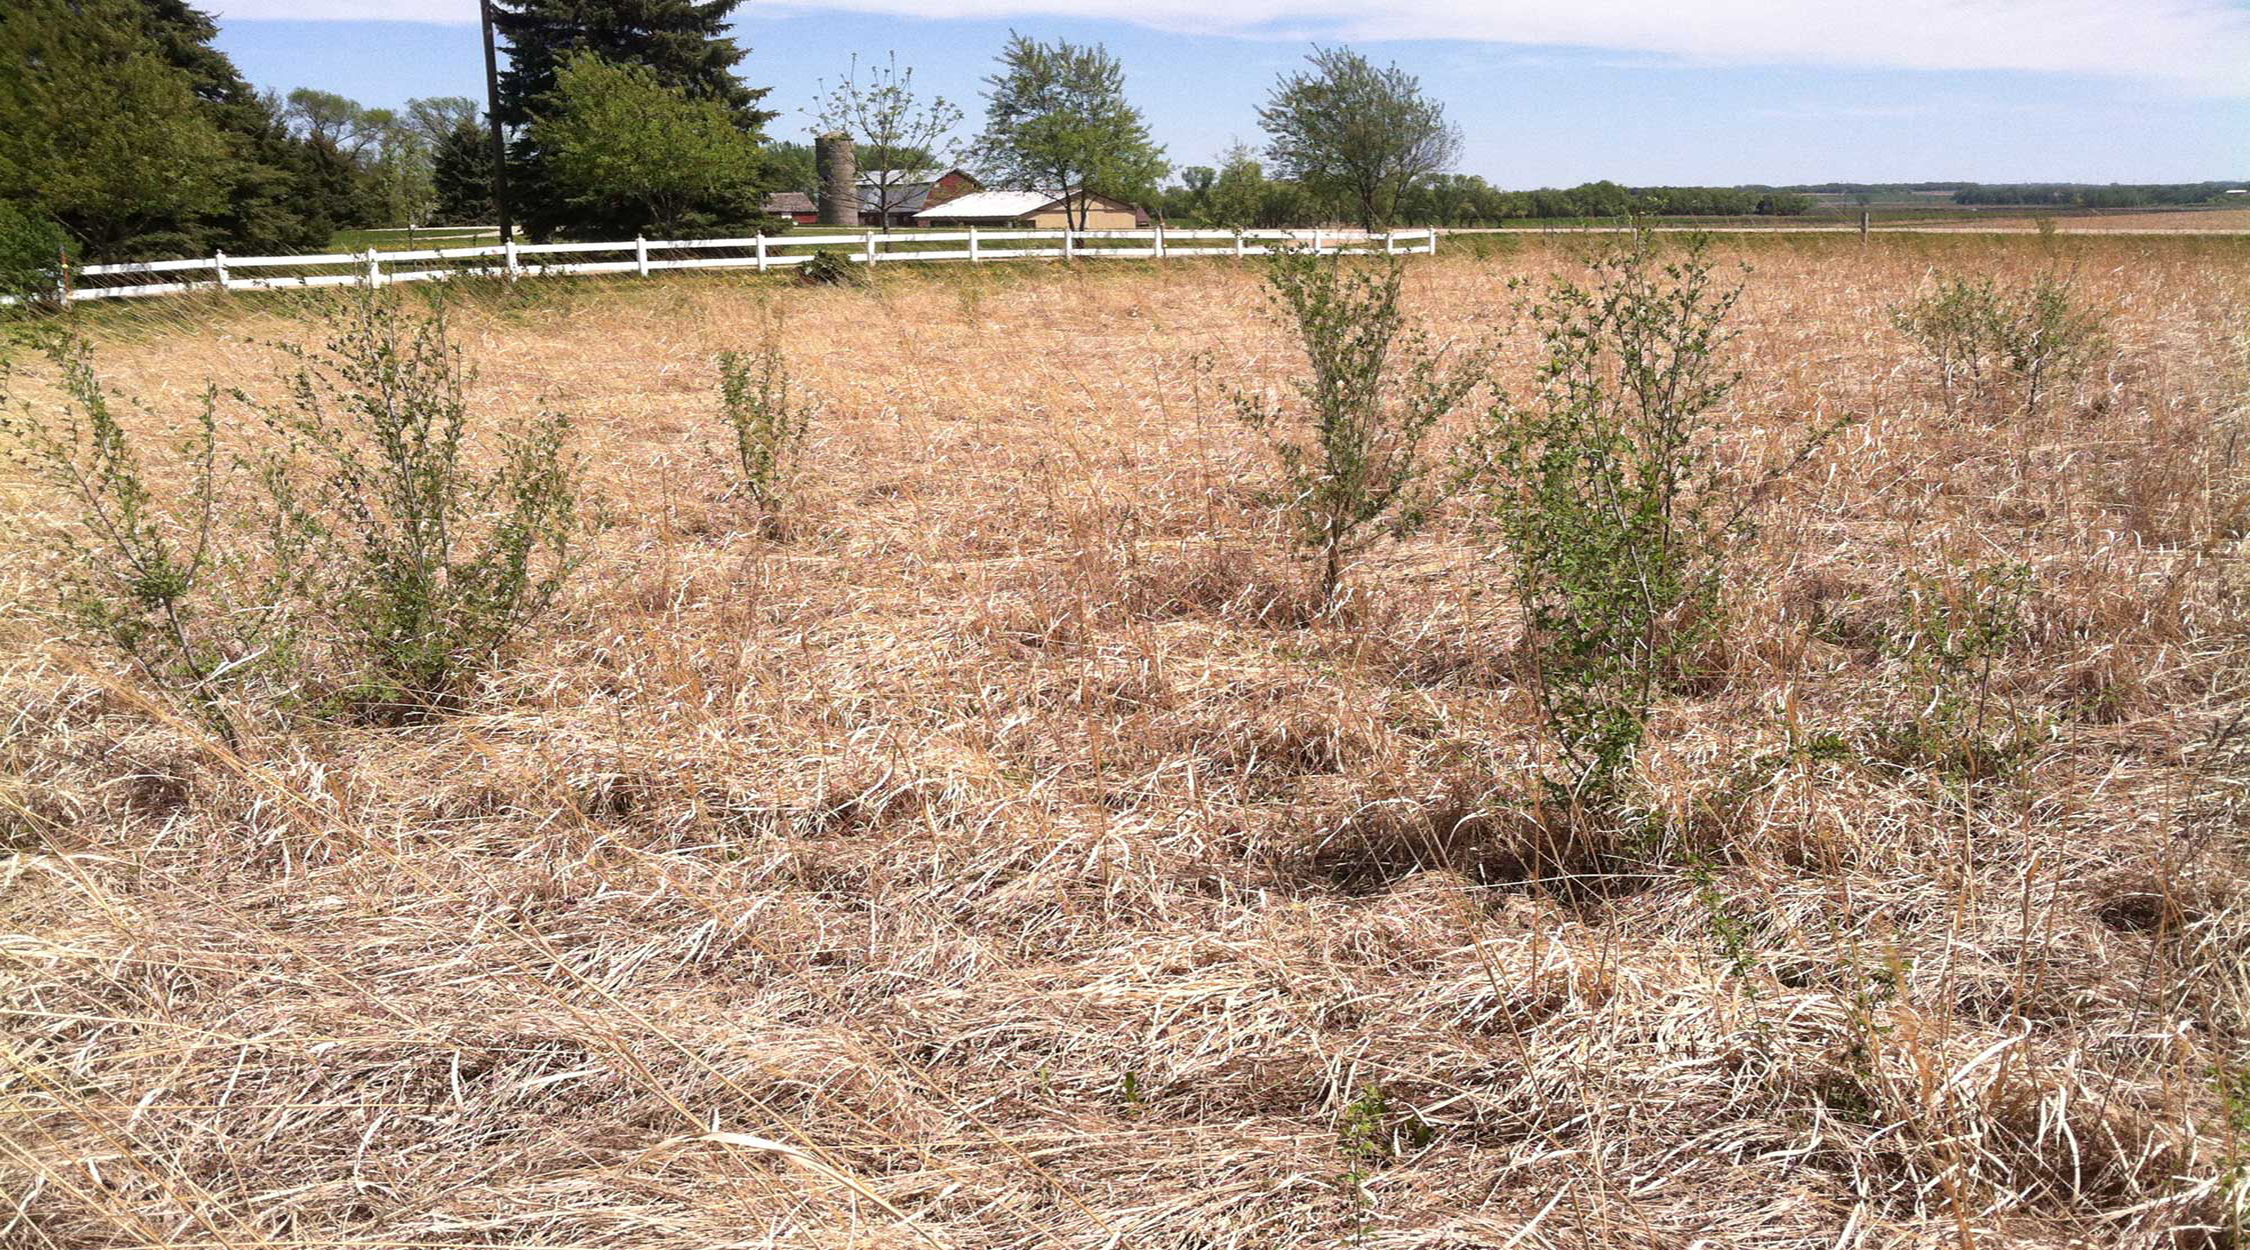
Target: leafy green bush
2050,340
1978,334
1955,628
1953,323
769,427
829,268
1617,523
1350,444
387,571
143,574
32,252
423,565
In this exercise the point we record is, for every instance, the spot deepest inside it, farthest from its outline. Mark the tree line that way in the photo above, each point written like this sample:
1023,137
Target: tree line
2116,195
125,133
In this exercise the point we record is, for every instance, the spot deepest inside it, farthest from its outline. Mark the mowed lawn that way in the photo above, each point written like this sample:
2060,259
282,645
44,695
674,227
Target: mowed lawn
1005,853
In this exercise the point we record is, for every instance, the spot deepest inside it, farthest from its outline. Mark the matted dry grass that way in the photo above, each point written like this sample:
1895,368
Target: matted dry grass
1006,856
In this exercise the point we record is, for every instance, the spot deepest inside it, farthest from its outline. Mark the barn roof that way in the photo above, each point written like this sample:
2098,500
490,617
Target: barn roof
1003,205
789,202
909,189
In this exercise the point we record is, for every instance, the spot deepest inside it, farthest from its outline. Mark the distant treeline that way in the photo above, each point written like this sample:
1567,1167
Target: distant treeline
2023,194
1462,199
1239,194
2065,195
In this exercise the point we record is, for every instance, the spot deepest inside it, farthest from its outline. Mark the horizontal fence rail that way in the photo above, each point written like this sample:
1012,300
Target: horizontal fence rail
758,253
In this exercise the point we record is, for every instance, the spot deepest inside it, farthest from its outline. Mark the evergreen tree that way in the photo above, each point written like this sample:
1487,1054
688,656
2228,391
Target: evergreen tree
99,132
682,43
461,175
267,174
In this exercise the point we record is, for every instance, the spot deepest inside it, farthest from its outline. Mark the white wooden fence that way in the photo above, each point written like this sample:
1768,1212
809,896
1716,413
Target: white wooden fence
760,253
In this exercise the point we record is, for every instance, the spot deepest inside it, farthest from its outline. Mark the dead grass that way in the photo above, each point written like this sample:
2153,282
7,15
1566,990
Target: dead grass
1010,856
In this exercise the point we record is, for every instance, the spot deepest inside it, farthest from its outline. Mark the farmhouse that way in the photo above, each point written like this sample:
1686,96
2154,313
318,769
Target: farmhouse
1037,209
910,191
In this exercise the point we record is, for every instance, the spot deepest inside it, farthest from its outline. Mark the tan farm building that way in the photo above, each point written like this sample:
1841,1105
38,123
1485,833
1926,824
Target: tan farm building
1035,209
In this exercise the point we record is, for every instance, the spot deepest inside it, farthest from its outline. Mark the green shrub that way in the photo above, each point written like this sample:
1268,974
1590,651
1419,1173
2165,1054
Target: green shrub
423,565
33,251
2050,340
1617,523
387,570
829,268
1954,324
769,427
1979,334
1349,446
1954,630
143,575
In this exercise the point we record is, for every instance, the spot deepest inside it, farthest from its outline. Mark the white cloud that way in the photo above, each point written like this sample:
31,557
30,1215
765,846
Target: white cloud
2196,45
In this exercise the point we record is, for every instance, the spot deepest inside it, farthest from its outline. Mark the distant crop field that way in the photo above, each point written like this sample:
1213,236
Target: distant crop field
1002,849
2197,219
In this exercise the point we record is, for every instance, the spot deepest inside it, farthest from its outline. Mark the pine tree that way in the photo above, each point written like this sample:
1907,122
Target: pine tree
269,177
462,175
99,132
682,42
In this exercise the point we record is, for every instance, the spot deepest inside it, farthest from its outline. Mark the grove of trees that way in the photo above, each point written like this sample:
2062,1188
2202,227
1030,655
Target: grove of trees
602,95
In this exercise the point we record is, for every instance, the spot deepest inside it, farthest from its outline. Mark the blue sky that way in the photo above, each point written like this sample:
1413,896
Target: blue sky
1716,91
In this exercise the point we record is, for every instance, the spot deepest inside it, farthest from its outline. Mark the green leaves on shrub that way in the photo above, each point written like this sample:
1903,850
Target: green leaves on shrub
1954,630
1617,524
769,427
424,565
383,571
142,573
829,268
1349,440
32,251
1982,338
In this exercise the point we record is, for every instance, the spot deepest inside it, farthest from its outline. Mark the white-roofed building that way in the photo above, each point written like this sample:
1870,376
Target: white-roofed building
1037,209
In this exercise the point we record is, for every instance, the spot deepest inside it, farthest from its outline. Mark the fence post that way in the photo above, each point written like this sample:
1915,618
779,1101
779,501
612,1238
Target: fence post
1863,216
1390,243
508,251
219,266
1238,253
1160,240
374,270
761,253
972,244
1433,241
640,255
870,249
1069,236
62,275
1316,233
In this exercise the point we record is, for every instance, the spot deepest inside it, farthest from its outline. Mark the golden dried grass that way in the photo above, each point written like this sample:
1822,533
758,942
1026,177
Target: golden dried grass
1008,856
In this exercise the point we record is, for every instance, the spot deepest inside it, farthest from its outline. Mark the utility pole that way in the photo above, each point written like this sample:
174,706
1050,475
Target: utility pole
492,112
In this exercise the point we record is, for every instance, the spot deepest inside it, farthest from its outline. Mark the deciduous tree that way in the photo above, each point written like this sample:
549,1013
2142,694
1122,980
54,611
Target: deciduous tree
683,45
1357,132
627,153
1056,120
894,130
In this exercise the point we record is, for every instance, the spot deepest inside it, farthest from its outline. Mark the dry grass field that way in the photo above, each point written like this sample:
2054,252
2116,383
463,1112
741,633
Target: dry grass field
1007,855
